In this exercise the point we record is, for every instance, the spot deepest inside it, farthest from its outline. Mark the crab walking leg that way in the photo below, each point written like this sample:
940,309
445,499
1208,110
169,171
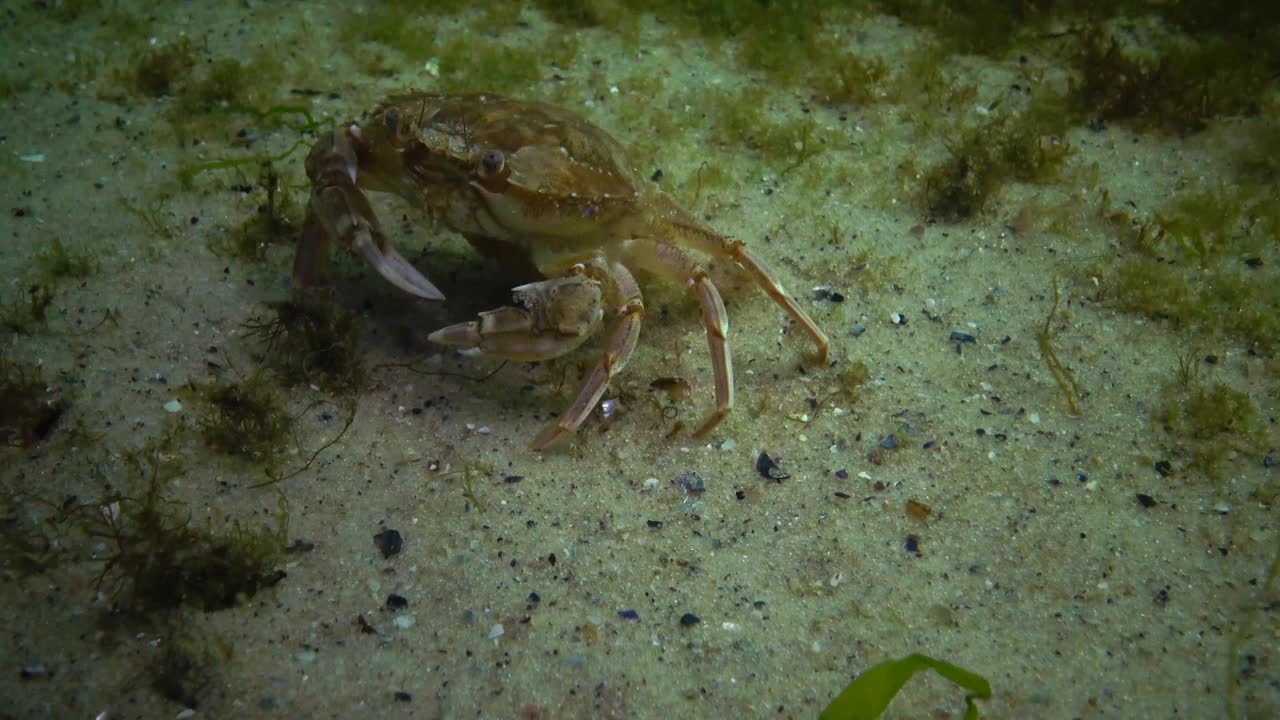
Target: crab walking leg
312,260
769,282
674,263
340,211
624,294
719,245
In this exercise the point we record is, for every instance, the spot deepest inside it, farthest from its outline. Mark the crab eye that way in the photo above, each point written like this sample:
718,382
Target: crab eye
491,161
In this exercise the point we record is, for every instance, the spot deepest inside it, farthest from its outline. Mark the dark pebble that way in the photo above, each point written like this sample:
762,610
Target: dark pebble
1146,501
389,542
889,443
912,544
858,330
396,602
628,614
1164,467
691,482
512,479
842,474
654,523
963,338
534,598
769,469
402,696
688,619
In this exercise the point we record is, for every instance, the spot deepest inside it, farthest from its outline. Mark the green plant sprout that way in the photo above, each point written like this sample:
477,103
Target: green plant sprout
867,697
149,217
309,125
28,412
56,262
1065,378
23,318
1243,629
278,221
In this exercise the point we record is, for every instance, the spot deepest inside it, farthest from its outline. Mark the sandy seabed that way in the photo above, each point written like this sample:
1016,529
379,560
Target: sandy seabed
951,505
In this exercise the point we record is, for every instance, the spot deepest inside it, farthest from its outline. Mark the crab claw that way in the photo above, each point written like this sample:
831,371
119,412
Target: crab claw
340,213
392,266
547,319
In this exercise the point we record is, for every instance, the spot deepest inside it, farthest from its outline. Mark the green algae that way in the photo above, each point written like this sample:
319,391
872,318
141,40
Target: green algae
1207,424
1206,261
244,418
307,339
157,558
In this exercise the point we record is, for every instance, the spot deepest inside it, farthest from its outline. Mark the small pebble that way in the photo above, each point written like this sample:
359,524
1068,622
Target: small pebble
173,406
912,544
858,330
628,614
691,482
496,631
402,696
688,619
396,602
404,622
389,542
650,483
769,469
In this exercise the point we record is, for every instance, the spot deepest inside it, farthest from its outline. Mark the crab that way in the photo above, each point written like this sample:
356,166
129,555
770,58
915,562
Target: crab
533,183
